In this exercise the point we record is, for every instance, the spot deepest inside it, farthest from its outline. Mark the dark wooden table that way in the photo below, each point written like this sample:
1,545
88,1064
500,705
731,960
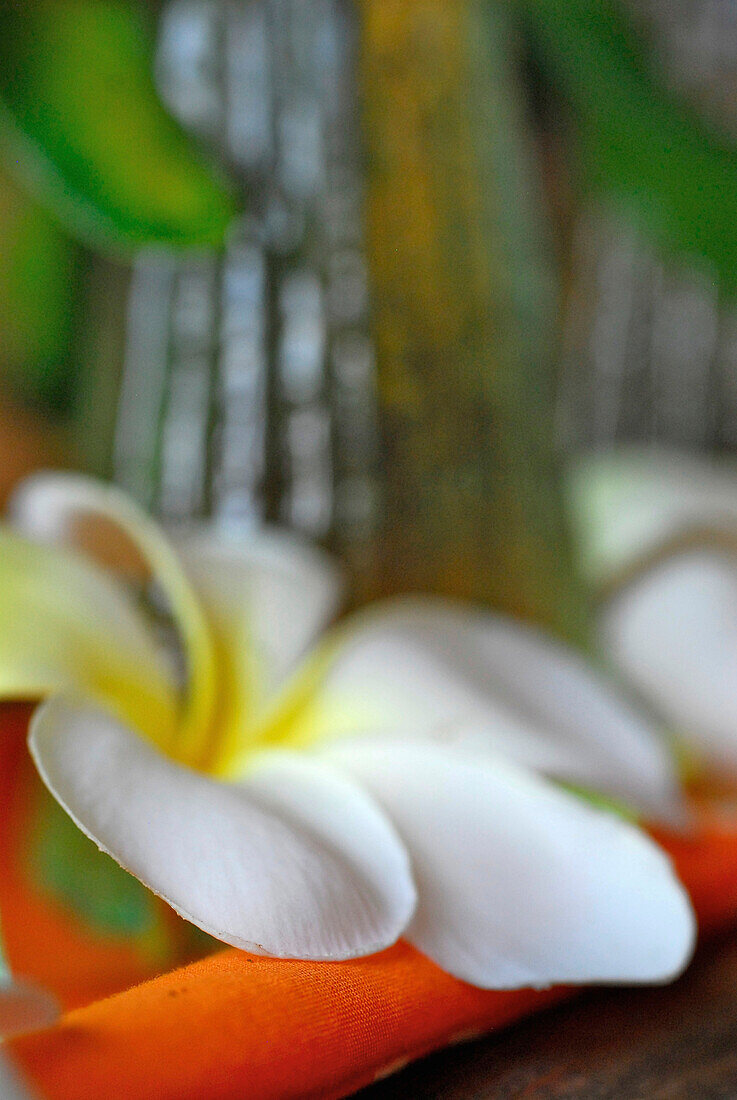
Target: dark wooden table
672,1043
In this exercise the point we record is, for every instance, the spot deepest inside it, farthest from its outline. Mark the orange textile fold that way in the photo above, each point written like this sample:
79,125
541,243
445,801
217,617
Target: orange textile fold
236,1025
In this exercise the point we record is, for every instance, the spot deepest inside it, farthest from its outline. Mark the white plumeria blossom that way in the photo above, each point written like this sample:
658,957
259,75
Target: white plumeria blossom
671,627
628,502
319,800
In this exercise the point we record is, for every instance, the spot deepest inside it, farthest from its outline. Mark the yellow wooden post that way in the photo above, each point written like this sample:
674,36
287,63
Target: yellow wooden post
465,301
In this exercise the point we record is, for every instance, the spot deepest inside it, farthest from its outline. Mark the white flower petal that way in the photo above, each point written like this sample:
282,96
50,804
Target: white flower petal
68,626
627,502
519,883
297,863
24,1007
419,666
268,595
76,510
674,633
268,587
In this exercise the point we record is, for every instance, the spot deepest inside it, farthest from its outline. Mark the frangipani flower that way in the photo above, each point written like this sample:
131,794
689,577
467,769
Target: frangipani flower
660,531
320,806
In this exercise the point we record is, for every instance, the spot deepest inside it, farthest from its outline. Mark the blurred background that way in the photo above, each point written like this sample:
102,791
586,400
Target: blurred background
374,271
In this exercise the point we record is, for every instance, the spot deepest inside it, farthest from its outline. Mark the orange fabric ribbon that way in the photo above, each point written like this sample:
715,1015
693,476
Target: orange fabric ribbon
235,1024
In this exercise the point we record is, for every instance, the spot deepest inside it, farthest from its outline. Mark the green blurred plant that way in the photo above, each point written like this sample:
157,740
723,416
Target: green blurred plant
91,161
85,131
38,280
636,142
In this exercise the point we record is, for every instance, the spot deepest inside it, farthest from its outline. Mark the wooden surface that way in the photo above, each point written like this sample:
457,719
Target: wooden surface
673,1043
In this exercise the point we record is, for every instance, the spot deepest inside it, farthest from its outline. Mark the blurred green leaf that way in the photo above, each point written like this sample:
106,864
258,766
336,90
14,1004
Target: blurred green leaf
602,802
39,277
85,131
70,866
637,142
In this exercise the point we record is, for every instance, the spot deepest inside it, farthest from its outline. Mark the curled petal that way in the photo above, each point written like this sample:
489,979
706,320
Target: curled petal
77,510
674,633
297,862
67,625
427,667
519,883
627,503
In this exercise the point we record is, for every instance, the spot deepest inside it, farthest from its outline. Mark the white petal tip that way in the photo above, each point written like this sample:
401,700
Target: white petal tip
296,863
522,884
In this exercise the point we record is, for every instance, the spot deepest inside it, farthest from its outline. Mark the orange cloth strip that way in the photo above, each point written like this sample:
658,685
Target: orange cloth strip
238,1025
